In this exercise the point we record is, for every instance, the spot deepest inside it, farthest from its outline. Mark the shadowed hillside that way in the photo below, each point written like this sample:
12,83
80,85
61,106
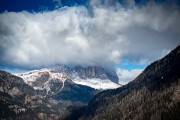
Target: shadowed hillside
153,95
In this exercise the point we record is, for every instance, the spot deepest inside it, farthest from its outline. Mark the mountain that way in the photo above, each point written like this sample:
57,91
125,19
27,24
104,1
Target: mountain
95,77
153,95
12,92
48,100
92,76
47,93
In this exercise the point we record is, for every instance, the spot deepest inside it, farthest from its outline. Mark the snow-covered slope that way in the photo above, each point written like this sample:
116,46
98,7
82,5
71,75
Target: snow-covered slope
43,78
97,83
33,75
94,77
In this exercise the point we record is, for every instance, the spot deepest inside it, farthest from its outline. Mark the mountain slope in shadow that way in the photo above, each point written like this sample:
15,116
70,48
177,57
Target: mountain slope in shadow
153,95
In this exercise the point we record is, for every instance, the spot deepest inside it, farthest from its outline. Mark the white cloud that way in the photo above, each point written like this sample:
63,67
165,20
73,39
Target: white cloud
115,56
126,76
73,35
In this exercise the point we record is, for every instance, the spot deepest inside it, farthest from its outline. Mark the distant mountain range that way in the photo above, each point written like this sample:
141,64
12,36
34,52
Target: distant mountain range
153,95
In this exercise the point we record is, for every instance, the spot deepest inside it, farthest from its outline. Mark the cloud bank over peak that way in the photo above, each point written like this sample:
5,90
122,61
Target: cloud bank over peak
98,36
126,76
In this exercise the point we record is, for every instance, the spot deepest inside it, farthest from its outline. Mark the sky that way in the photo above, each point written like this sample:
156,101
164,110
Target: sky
124,34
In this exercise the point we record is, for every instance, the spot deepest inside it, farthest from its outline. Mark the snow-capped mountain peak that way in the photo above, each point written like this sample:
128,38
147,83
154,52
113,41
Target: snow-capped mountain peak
43,78
95,77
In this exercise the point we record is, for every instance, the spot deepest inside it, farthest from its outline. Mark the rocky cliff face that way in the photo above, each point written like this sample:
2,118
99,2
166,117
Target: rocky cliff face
88,72
153,95
95,72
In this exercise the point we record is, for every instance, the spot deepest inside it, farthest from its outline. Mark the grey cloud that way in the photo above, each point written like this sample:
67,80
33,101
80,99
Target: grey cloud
72,36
